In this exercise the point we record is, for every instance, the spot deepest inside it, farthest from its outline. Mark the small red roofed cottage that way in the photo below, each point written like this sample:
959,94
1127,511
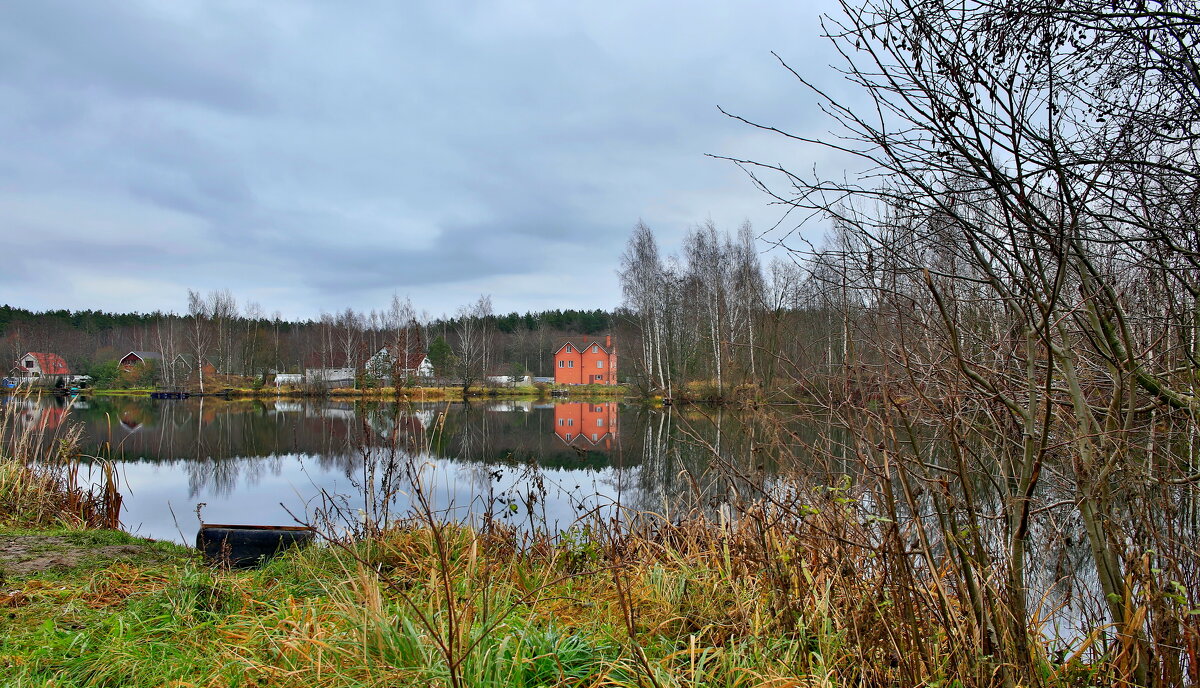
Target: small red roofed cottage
36,364
586,363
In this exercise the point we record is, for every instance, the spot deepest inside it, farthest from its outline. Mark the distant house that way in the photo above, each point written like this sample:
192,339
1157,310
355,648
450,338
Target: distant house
331,370
185,366
586,363
414,364
330,377
510,379
36,365
134,359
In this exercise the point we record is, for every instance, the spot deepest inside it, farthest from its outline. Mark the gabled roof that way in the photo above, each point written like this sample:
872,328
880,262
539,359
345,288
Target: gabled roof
50,364
189,360
583,438
582,345
144,355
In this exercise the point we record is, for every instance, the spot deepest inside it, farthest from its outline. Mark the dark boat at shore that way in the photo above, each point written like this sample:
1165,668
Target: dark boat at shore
246,546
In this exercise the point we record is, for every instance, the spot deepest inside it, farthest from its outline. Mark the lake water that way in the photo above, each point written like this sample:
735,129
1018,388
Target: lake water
534,464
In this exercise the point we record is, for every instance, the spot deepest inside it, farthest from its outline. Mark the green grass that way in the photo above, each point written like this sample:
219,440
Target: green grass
544,614
320,618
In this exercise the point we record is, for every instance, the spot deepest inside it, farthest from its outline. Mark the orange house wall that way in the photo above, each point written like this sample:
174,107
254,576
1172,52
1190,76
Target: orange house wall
585,368
565,375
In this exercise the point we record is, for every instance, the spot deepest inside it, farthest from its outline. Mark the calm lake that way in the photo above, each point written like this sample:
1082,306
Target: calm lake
535,464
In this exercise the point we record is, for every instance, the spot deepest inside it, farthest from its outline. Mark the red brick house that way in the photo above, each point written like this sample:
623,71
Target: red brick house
588,424
586,363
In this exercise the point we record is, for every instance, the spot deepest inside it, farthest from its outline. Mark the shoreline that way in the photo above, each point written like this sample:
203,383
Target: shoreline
411,394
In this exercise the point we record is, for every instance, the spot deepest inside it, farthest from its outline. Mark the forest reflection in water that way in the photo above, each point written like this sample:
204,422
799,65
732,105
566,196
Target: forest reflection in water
537,464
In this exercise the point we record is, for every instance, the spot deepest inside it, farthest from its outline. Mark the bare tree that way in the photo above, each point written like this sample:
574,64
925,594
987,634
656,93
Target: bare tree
1017,261
644,283
199,329
474,341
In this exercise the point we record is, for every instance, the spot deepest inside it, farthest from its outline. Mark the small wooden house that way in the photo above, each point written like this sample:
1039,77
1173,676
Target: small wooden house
134,359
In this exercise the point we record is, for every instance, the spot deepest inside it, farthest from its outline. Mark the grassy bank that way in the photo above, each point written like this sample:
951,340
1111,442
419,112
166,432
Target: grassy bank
697,604
453,607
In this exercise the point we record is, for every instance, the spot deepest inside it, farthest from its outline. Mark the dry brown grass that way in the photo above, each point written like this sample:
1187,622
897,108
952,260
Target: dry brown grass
42,482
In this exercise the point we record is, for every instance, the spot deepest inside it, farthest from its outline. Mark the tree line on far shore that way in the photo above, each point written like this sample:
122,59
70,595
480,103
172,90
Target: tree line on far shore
241,339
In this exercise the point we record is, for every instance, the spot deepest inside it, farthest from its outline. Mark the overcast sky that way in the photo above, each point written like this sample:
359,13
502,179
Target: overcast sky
311,156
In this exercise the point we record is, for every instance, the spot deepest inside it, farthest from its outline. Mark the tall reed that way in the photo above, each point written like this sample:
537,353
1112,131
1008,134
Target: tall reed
45,480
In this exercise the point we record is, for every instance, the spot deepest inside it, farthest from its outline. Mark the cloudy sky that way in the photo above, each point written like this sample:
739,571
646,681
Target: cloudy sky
315,155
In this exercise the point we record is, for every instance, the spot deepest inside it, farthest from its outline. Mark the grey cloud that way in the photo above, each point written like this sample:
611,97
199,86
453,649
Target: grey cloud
127,50
347,150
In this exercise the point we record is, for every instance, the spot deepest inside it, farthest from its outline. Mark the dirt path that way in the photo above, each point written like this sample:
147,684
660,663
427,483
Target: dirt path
21,555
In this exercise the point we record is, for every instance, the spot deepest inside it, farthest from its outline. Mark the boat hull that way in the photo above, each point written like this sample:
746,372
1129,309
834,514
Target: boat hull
247,546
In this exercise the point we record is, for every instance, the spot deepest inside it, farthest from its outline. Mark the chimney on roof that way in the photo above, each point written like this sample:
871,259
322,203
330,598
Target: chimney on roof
608,342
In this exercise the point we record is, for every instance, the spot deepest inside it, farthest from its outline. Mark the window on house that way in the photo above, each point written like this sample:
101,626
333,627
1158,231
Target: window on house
571,422
560,422
570,364
599,377
560,364
599,422
28,364
599,364
599,409
568,348
595,349
593,437
568,437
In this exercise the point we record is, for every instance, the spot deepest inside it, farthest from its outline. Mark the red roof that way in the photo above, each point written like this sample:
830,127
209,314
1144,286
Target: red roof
51,364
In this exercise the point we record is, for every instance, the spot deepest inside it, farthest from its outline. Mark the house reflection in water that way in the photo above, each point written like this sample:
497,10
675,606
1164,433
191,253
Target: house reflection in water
587,425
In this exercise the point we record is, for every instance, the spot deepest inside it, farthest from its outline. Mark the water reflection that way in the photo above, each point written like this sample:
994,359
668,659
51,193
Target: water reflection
585,426
537,465
256,461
